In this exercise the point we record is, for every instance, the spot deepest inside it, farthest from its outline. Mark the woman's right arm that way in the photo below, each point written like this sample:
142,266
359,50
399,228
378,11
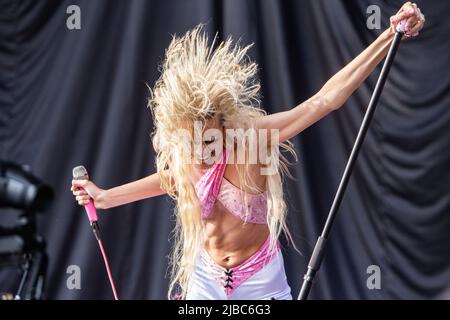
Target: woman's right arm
108,198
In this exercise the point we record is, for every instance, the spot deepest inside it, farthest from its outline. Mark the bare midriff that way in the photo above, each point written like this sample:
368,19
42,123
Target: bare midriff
227,239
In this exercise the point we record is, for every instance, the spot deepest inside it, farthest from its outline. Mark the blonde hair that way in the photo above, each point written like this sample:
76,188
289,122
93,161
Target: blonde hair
197,82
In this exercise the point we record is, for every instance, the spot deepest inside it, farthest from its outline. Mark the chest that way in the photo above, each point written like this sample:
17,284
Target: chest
231,174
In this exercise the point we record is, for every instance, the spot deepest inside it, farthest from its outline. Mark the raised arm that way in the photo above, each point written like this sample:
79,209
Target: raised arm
340,87
107,198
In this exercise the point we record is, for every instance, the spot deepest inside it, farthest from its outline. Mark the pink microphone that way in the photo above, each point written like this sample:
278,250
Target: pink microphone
80,173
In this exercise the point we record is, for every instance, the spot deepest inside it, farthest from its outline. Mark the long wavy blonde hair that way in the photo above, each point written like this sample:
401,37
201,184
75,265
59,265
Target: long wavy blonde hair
199,81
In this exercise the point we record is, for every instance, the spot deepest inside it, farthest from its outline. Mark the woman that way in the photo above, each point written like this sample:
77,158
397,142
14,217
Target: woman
230,209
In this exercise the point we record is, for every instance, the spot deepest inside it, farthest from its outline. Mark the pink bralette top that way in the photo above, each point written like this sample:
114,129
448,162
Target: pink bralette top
213,185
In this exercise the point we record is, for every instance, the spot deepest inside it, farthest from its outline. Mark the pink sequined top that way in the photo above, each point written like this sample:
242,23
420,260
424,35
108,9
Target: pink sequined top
213,185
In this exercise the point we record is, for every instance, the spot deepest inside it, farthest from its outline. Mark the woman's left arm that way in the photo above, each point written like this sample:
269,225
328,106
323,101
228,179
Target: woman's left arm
340,87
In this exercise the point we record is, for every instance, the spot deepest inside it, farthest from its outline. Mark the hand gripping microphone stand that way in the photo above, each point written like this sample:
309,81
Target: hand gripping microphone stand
319,249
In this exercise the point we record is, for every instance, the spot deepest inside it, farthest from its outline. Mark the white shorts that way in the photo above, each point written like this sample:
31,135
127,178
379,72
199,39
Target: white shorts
268,283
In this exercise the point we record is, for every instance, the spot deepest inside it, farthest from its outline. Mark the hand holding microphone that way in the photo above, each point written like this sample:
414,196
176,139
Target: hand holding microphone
87,193
84,190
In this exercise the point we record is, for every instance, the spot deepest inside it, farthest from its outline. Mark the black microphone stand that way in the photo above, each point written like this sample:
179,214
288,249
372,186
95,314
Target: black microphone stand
319,249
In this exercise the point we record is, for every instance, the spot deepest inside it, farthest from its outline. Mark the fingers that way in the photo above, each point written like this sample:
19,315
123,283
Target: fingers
416,28
402,16
80,192
406,6
413,18
406,11
419,23
80,183
415,24
410,22
82,200
77,188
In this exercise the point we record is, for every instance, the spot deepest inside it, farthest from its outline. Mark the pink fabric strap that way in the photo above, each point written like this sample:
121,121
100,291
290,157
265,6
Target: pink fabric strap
231,279
208,186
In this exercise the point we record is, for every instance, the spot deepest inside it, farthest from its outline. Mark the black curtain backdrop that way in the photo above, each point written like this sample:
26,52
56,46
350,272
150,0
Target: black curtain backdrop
70,97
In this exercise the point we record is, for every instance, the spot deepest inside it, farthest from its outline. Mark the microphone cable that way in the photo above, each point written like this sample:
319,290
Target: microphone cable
96,230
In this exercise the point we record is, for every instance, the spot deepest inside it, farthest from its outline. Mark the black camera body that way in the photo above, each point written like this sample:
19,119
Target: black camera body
21,247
